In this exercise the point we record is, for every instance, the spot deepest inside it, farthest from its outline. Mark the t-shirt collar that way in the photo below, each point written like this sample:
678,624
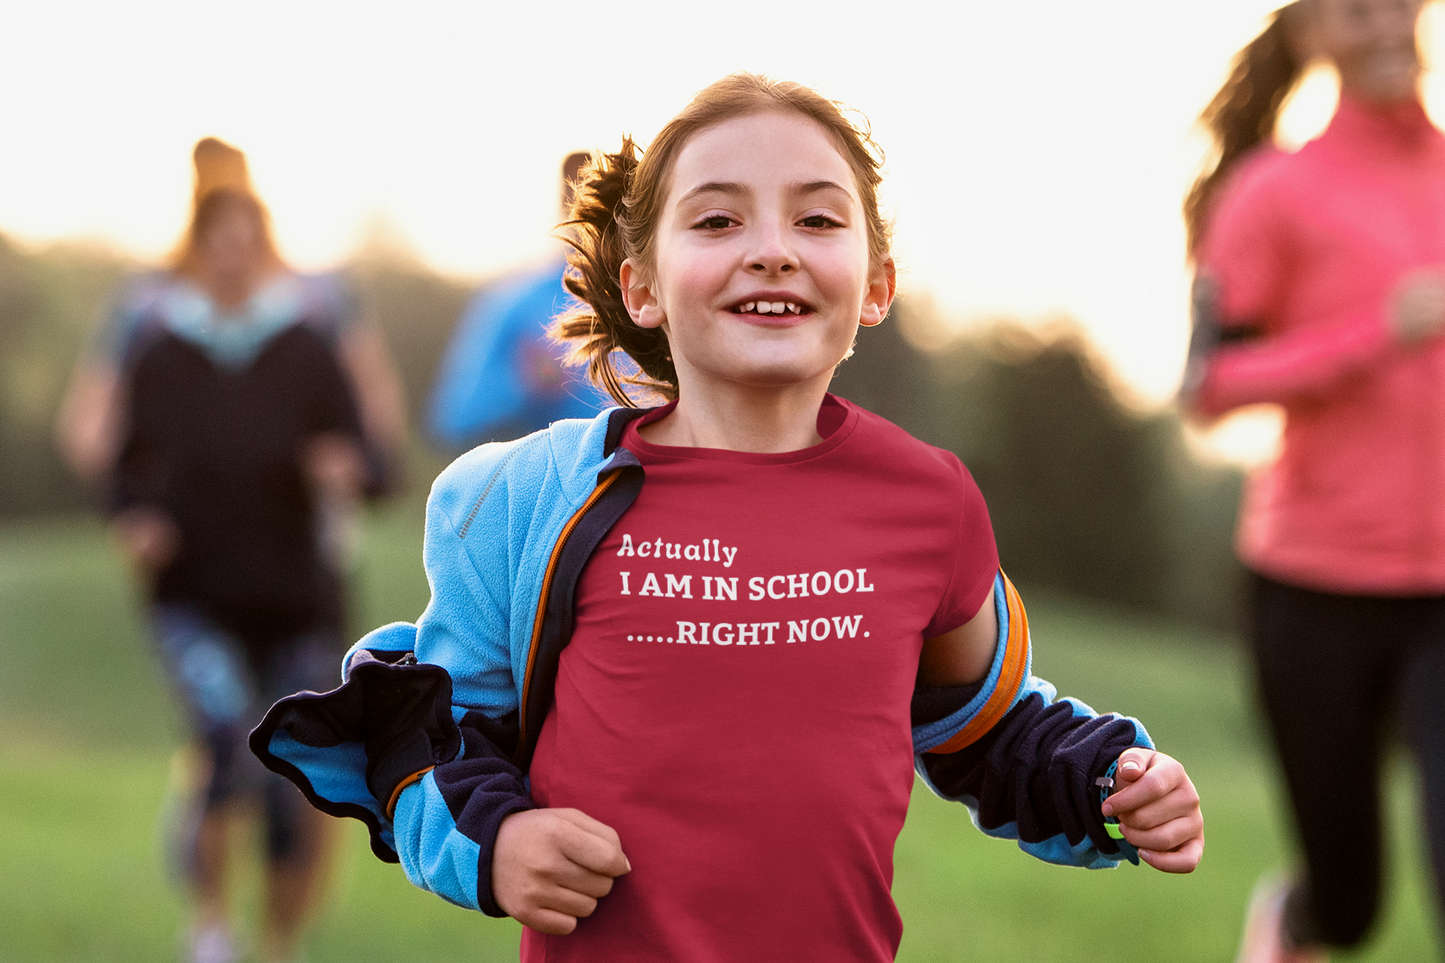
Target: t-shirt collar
836,418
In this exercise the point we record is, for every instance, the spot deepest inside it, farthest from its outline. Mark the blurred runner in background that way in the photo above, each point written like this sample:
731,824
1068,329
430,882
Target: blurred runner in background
88,427
502,376
222,404
1321,288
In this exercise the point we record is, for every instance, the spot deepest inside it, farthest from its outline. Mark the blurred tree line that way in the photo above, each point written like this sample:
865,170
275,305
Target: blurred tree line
1087,496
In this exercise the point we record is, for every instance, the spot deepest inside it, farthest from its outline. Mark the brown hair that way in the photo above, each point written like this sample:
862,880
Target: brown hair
1244,112
619,202
572,166
223,184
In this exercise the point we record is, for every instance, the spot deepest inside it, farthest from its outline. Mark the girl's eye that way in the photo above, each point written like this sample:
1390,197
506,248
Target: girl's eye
819,221
714,222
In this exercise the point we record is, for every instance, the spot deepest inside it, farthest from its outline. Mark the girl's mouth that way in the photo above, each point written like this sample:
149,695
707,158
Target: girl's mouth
784,307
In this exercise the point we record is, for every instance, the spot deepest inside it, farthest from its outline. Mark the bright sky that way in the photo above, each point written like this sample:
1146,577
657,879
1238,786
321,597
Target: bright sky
1037,152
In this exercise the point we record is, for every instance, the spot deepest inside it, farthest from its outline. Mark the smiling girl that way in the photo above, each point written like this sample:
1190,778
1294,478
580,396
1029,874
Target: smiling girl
704,751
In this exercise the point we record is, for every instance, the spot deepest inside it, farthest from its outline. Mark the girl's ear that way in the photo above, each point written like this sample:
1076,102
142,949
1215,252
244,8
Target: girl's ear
639,297
876,300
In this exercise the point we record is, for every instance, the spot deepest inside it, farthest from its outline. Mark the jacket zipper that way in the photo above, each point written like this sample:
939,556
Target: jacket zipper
546,592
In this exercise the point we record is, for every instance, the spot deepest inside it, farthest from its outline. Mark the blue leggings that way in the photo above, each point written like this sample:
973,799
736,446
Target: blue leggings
1338,675
226,688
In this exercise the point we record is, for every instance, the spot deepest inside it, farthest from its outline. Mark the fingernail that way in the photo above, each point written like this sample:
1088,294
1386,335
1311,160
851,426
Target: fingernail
1129,766
1107,809
628,862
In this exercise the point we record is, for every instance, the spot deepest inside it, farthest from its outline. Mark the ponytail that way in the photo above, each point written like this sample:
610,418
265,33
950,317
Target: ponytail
600,325
1244,112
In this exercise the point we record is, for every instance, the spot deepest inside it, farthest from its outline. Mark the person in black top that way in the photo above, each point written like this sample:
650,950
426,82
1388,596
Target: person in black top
241,437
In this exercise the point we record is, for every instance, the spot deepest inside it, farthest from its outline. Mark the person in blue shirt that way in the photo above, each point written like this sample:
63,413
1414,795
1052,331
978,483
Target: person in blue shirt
502,375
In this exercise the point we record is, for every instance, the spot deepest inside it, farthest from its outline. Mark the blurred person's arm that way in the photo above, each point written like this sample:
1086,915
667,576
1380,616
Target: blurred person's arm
360,348
88,424
339,458
1255,250
1233,363
380,399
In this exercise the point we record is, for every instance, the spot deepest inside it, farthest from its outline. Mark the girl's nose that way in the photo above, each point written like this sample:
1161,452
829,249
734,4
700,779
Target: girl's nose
772,254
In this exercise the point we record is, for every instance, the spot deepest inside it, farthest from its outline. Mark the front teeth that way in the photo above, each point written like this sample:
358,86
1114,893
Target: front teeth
770,307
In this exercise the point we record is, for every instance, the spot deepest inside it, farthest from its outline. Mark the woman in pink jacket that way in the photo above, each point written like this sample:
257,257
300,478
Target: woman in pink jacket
1321,288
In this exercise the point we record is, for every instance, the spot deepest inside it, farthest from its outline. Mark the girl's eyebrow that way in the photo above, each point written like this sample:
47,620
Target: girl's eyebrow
733,189
715,187
816,186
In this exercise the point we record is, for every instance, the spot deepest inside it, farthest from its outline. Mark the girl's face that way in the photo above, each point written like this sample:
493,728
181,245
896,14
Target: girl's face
762,270
1372,44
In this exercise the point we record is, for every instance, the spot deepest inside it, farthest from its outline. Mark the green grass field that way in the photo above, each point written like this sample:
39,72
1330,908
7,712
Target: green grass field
88,732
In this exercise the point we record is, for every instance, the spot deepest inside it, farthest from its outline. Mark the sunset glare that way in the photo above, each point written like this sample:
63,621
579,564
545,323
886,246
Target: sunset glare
1036,153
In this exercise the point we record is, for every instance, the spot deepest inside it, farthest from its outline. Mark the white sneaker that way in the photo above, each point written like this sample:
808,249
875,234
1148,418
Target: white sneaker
1263,940
213,944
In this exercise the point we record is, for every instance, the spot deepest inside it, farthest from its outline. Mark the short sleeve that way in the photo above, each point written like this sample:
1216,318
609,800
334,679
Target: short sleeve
330,305
975,560
120,330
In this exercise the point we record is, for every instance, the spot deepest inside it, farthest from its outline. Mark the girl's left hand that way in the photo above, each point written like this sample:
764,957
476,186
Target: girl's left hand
1158,810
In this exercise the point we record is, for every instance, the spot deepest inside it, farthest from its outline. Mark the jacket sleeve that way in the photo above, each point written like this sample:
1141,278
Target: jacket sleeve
418,741
386,748
1249,261
1234,363
1023,761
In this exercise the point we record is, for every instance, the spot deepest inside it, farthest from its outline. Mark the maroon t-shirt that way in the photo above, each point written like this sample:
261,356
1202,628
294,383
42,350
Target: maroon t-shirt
735,697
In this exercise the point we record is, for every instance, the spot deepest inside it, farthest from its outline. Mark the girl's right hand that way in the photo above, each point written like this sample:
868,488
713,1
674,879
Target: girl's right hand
1417,306
551,866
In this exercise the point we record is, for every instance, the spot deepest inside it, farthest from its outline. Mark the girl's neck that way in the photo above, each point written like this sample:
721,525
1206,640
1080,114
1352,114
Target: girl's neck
743,418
